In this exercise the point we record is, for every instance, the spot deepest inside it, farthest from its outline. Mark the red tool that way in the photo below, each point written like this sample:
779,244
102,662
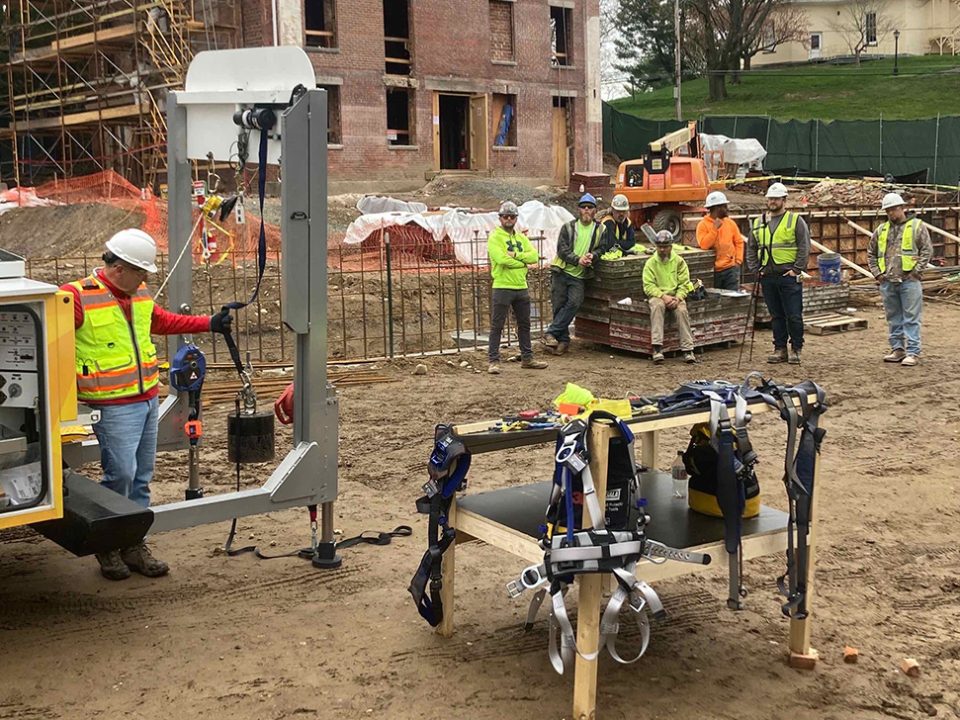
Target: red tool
283,407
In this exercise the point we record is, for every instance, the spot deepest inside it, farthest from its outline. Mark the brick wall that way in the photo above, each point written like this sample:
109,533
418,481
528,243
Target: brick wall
451,42
256,27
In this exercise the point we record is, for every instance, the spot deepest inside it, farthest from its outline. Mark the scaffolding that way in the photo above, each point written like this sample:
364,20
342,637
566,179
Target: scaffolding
88,82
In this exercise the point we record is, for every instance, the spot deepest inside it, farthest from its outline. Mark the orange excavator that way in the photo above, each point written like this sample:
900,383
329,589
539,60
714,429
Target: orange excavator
667,181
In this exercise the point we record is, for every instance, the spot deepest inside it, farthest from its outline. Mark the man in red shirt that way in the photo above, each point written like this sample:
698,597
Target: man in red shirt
117,373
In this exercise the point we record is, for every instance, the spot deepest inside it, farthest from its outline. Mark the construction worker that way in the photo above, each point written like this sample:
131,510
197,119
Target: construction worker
898,252
579,242
117,373
778,249
716,231
666,282
619,230
510,252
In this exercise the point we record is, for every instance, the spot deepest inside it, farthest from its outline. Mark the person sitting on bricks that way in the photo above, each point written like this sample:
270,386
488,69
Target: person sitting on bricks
118,374
510,252
666,282
580,241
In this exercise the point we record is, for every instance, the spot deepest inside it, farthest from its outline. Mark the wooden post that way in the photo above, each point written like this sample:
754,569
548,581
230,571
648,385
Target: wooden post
801,654
445,628
649,447
590,586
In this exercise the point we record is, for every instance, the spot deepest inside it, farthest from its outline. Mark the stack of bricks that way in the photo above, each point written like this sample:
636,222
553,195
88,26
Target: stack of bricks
605,319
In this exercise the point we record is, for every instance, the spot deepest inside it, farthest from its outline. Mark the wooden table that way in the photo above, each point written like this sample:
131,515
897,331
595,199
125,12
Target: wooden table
509,519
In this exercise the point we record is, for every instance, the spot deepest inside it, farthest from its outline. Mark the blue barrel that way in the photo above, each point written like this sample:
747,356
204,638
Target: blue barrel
829,264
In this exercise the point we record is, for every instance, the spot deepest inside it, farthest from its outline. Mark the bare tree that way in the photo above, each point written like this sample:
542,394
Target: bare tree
864,23
725,28
787,23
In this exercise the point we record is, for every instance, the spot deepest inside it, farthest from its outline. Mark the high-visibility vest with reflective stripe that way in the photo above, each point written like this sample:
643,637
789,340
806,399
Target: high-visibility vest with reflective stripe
115,358
782,247
908,251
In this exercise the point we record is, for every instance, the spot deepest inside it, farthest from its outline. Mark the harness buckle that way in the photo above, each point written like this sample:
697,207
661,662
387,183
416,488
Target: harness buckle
514,589
430,488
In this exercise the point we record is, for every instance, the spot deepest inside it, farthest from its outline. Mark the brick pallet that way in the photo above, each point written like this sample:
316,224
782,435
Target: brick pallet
818,297
603,319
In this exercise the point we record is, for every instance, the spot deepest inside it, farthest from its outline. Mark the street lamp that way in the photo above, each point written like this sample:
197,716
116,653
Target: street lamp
896,52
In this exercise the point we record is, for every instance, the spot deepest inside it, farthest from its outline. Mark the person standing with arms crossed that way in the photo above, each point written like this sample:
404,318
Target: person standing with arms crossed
778,249
579,242
510,253
717,232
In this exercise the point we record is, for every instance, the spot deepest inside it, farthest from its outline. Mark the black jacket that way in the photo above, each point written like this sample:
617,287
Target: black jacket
599,244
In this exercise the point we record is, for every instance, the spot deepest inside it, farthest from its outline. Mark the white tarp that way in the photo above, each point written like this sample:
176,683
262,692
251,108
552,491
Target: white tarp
745,154
468,231
373,204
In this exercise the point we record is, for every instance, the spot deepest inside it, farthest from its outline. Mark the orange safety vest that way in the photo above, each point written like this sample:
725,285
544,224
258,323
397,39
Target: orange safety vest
115,357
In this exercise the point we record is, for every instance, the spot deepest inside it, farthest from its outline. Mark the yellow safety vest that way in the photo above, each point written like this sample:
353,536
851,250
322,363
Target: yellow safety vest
115,358
782,247
908,252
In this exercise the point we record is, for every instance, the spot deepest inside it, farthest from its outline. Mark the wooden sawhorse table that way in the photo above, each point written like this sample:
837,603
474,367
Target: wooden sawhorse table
508,519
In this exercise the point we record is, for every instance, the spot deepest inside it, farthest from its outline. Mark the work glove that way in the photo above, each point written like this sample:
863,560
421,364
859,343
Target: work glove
222,322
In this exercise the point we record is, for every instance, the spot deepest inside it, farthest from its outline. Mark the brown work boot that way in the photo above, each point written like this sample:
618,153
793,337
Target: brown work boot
897,355
563,347
779,355
910,361
531,364
657,357
493,368
794,357
139,559
549,340
690,357
112,566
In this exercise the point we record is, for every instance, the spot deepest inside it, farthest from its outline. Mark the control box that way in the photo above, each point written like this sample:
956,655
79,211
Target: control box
19,349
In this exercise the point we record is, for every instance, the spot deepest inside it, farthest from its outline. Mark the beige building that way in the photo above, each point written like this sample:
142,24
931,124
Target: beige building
833,28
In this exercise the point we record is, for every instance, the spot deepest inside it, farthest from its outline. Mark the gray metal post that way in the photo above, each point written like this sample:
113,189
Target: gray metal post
173,412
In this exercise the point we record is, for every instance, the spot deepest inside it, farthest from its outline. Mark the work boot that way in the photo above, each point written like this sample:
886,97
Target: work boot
910,361
794,357
657,356
689,357
562,348
896,356
139,559
549,340
112,566
779,355
493,368
531,364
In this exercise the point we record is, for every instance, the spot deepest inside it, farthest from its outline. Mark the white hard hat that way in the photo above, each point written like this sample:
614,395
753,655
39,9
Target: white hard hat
508,208
777,190
134,247
620,202
892,200
715,198
664,237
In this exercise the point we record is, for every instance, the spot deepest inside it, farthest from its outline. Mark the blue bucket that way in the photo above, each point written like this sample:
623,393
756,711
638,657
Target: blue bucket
829,264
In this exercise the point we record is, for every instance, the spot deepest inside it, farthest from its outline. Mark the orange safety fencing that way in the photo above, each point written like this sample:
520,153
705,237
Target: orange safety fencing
223,240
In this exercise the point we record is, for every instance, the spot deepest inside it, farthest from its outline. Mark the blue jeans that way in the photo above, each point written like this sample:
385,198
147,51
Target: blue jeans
728,279
903,303
784,298
566,297
128,448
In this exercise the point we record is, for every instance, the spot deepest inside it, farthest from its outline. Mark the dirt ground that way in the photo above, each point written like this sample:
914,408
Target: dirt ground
251,639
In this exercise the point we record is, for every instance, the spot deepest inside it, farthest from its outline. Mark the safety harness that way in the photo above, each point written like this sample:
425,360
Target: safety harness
447,468
606,547
799,466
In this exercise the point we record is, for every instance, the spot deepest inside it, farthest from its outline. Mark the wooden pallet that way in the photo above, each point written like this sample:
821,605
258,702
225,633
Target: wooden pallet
829,323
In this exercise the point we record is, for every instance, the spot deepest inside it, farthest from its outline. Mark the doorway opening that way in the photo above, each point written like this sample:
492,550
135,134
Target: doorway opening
454,132
562,139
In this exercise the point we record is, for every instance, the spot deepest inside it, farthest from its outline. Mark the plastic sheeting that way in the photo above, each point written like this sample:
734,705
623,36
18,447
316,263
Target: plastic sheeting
373,204
746,154
463,228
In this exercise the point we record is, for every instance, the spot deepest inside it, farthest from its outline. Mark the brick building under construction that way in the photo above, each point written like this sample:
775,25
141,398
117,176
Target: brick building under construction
416,87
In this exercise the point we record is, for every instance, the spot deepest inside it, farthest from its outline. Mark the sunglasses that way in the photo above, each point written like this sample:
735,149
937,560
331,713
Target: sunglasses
588,207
